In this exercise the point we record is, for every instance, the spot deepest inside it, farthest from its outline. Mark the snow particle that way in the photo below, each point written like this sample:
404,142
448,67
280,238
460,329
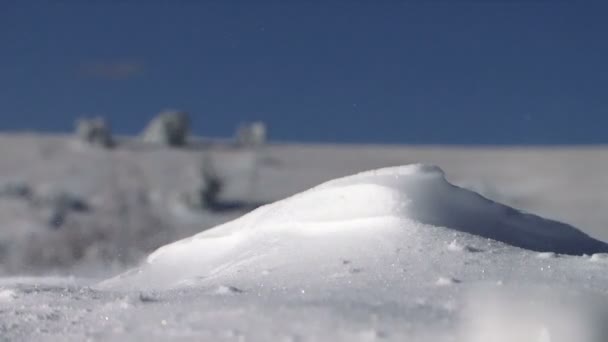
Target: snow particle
446,281
227,290
546,255
455,246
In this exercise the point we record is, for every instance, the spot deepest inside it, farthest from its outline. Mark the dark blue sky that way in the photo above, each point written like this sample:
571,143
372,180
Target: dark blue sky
524,72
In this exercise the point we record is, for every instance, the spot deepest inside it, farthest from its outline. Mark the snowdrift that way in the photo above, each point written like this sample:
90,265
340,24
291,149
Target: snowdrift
380,220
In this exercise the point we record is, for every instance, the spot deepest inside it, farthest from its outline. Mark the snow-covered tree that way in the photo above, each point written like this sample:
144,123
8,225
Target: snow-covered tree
251,134
95,131
170,128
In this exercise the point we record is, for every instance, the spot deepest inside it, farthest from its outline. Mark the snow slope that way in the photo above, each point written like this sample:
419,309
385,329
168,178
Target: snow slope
367,216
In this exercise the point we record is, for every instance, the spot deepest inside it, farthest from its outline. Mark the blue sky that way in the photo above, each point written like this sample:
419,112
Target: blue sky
523,72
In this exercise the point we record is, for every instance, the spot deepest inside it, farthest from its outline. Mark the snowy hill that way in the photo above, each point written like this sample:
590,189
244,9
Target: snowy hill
133,191
377,217
392,254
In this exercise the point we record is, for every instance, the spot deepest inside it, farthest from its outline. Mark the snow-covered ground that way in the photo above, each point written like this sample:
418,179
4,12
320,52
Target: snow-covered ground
393,254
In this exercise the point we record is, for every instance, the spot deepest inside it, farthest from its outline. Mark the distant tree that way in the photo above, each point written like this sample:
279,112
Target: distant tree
251,134
170,128
95,131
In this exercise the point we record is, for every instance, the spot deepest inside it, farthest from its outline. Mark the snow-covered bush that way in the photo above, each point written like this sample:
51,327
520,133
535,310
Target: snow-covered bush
61,199
58,236
95,132
169,128
206,193
15,190
251,134
57,204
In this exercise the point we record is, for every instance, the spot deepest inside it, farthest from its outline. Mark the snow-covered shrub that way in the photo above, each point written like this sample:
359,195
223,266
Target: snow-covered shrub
15,190
62,200
169,128
212,183
206,193
251,134
56,239
57,204
94,131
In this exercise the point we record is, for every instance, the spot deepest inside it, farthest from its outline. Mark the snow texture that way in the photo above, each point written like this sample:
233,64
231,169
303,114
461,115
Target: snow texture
396,254
341,217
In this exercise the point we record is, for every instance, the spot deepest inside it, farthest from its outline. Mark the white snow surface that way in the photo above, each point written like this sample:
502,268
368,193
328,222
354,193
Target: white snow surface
372,216
396,254
390,254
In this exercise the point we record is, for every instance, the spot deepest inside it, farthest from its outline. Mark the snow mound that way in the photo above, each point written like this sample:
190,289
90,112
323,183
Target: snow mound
364,218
